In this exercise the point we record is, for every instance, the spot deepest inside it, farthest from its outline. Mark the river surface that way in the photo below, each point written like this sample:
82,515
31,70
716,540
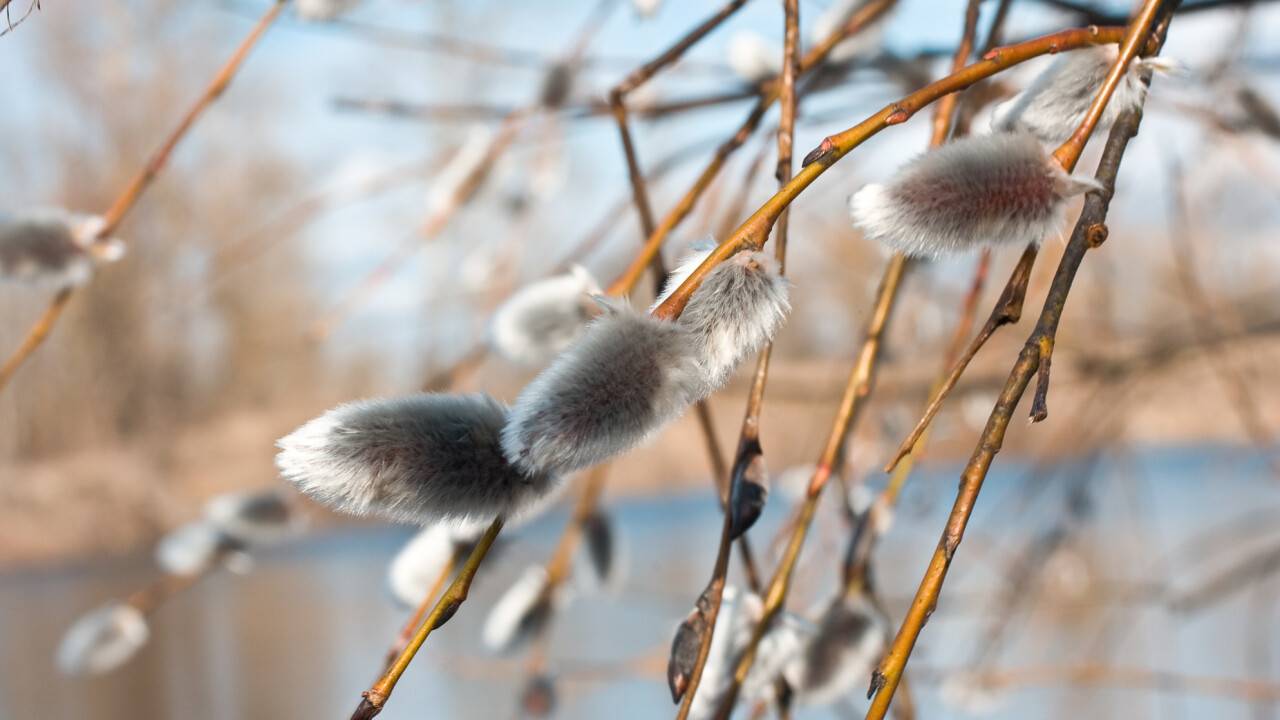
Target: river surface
303,633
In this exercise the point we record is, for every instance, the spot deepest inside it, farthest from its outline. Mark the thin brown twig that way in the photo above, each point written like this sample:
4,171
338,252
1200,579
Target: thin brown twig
856,566
749,453
1090,231
1068,154
1007,311
769,92
857,389
140,182
618,107
376,697
428,600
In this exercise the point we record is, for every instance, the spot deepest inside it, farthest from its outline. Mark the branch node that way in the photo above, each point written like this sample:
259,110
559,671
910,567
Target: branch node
1096,234
821,154
877,682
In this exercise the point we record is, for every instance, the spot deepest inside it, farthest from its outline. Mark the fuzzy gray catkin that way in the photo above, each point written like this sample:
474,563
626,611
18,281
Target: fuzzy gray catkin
417,459
520,613
630,373
740,305
53,246
739,614
1056,102
627,376
973,192
837,659
544,318
102,640
254,517
196,547
418,565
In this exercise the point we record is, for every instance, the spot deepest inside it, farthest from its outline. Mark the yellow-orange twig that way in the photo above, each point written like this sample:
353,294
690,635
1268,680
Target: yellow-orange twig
140,182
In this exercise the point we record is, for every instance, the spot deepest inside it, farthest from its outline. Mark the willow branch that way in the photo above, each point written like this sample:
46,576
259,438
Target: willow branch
857,562
140,182
749,451
769,92
755,229
375,697
1090,231
1007,311
410,627
857,389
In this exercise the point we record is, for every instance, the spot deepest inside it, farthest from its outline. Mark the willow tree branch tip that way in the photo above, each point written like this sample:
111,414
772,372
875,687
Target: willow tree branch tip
139,183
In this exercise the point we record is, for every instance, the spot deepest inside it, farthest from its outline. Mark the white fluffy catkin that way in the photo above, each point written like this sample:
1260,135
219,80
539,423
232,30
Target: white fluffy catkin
740,305
253,517
688,262
322,10
740,612
542,319
418,565
837,660
193,548
973,192
102,640
1055,103
53,246
627,376
519,613
753,58
419,459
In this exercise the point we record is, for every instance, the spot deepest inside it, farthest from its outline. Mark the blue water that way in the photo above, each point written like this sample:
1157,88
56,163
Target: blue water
303,634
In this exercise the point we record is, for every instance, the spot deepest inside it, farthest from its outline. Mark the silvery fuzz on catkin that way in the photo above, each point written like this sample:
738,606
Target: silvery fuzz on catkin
196,547
254,517
418,459
689,261
627,376
102,640
974,192
836,661
420,563
1056,102
740,305
322,10
54,247
630,373
519,613
739,614
543,318
753,58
